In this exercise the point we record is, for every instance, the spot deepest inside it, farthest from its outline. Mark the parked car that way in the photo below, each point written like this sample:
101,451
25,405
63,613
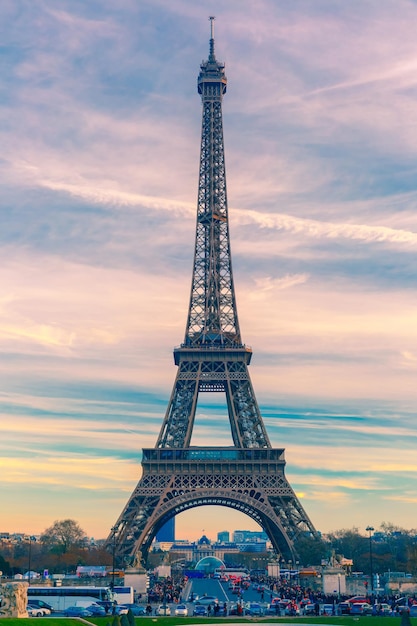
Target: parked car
282,603
254,608
327,609
41,604
236,609
97,610
400,602
120,609
292,609
309,609
137,609
361,608
200,610
344,608
206,600
106,604
35,611
381,609
163,610
356,599
44,609
273,609
401,608
181,610
77,611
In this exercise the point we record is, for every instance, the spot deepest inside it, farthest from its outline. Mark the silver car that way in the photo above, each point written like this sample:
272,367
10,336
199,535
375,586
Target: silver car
206,600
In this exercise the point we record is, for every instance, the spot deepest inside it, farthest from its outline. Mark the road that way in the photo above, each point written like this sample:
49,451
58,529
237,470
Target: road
211,587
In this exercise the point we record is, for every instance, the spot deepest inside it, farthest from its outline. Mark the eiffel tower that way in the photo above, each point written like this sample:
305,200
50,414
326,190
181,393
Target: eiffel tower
248,476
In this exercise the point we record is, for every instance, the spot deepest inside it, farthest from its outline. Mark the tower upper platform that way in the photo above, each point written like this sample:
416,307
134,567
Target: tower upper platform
212,80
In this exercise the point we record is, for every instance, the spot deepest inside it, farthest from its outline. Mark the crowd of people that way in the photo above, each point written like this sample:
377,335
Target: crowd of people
270,589
297,594
166,590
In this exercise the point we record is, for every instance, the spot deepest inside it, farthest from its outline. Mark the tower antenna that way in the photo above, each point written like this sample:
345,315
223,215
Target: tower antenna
211,55
212,18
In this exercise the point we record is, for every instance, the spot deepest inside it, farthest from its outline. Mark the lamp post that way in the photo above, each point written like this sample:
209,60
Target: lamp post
30,557
114,529
164,602
370,530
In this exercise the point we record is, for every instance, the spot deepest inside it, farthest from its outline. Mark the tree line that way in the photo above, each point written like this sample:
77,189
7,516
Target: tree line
64,545
60,549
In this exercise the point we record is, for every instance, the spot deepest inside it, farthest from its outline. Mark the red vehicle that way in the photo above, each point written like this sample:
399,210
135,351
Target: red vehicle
357,600
292,609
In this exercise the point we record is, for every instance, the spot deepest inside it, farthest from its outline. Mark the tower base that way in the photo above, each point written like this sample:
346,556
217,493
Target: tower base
137,579
177,479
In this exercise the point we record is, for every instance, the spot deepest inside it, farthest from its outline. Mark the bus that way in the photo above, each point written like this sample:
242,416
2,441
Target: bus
123,595
60,598
91,571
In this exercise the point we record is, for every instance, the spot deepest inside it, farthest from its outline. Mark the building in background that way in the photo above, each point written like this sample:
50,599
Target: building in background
194,551
167,532
249,536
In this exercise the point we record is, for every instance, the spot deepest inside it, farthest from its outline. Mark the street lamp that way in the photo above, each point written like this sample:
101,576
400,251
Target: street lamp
30,557
370,530
164,588
114,529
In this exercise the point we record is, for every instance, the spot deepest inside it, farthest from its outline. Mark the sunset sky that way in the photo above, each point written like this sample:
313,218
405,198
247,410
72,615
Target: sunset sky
100,134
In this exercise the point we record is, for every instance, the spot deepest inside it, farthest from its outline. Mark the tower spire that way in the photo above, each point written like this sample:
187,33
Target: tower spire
212,58
212,314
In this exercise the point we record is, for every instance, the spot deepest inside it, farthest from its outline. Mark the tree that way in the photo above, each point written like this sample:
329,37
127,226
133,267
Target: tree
4,565
63,536
393,548
399,544
311,551
352,545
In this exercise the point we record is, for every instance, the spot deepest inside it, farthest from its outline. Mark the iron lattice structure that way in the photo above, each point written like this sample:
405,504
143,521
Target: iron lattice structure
248,476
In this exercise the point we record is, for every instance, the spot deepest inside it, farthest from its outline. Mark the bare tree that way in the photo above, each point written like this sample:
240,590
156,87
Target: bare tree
63,536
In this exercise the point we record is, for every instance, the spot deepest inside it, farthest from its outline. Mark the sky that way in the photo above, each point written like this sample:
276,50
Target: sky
100,124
